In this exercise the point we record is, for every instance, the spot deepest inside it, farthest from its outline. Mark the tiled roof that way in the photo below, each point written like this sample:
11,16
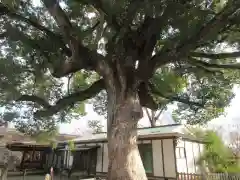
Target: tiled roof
160,130
11,135
65,137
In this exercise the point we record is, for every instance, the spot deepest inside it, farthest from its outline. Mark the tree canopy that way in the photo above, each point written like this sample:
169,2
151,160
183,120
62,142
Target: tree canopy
56,54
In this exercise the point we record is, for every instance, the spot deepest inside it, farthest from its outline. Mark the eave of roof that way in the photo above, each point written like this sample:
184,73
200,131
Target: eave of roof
167,131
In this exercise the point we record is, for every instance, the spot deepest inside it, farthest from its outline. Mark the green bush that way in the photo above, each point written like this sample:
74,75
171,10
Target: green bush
217,156
233,169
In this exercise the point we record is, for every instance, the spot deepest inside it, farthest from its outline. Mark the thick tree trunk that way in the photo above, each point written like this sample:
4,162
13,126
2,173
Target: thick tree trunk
124,159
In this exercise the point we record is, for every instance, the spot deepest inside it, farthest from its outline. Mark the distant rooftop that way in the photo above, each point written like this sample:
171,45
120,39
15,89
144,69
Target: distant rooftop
13,136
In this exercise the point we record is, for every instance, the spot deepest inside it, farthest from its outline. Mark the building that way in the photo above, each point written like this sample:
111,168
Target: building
165,151
21,153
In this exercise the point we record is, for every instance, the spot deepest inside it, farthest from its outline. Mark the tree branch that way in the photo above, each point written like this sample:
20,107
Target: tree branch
216,56
207,65
149,116
3,35
55,37
35,99
184,101
146,100
3,9
60,17
49,110
15,35
160,112
175,98
178,50
82,57
98,5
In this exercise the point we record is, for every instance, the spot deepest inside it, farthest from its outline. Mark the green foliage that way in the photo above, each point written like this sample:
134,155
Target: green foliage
71,145
214,93
168,82
46,137
233,169
53,144
216,153
99,103
196,131
216,156
95,125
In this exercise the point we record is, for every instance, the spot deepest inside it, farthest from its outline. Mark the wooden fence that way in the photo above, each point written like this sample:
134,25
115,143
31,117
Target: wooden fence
212,176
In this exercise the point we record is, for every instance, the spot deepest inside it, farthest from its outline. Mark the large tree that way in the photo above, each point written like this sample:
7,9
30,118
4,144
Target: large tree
140,52
99,103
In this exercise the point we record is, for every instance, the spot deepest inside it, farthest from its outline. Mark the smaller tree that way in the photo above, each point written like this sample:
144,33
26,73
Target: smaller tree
46,137
154,115
217,156
234,144
95,126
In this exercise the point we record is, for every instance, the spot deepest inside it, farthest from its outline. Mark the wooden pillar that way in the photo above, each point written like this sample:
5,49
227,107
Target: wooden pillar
23,158
33,152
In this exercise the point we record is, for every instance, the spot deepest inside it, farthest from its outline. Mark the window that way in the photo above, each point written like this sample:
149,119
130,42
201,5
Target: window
32,156
146,155
36,156
32,159
180,153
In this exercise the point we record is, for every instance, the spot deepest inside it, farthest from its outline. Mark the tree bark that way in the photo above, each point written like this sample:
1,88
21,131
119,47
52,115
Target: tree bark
124,112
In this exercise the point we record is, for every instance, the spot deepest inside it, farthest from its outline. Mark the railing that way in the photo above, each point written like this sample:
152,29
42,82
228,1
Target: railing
210,176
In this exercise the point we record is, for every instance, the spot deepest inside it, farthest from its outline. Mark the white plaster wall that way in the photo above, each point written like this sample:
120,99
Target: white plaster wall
196,155
157,158
69,159
169,158
144,142
201,148
70,163
193,151
181,163
58,165
190,157
99,158
105,157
